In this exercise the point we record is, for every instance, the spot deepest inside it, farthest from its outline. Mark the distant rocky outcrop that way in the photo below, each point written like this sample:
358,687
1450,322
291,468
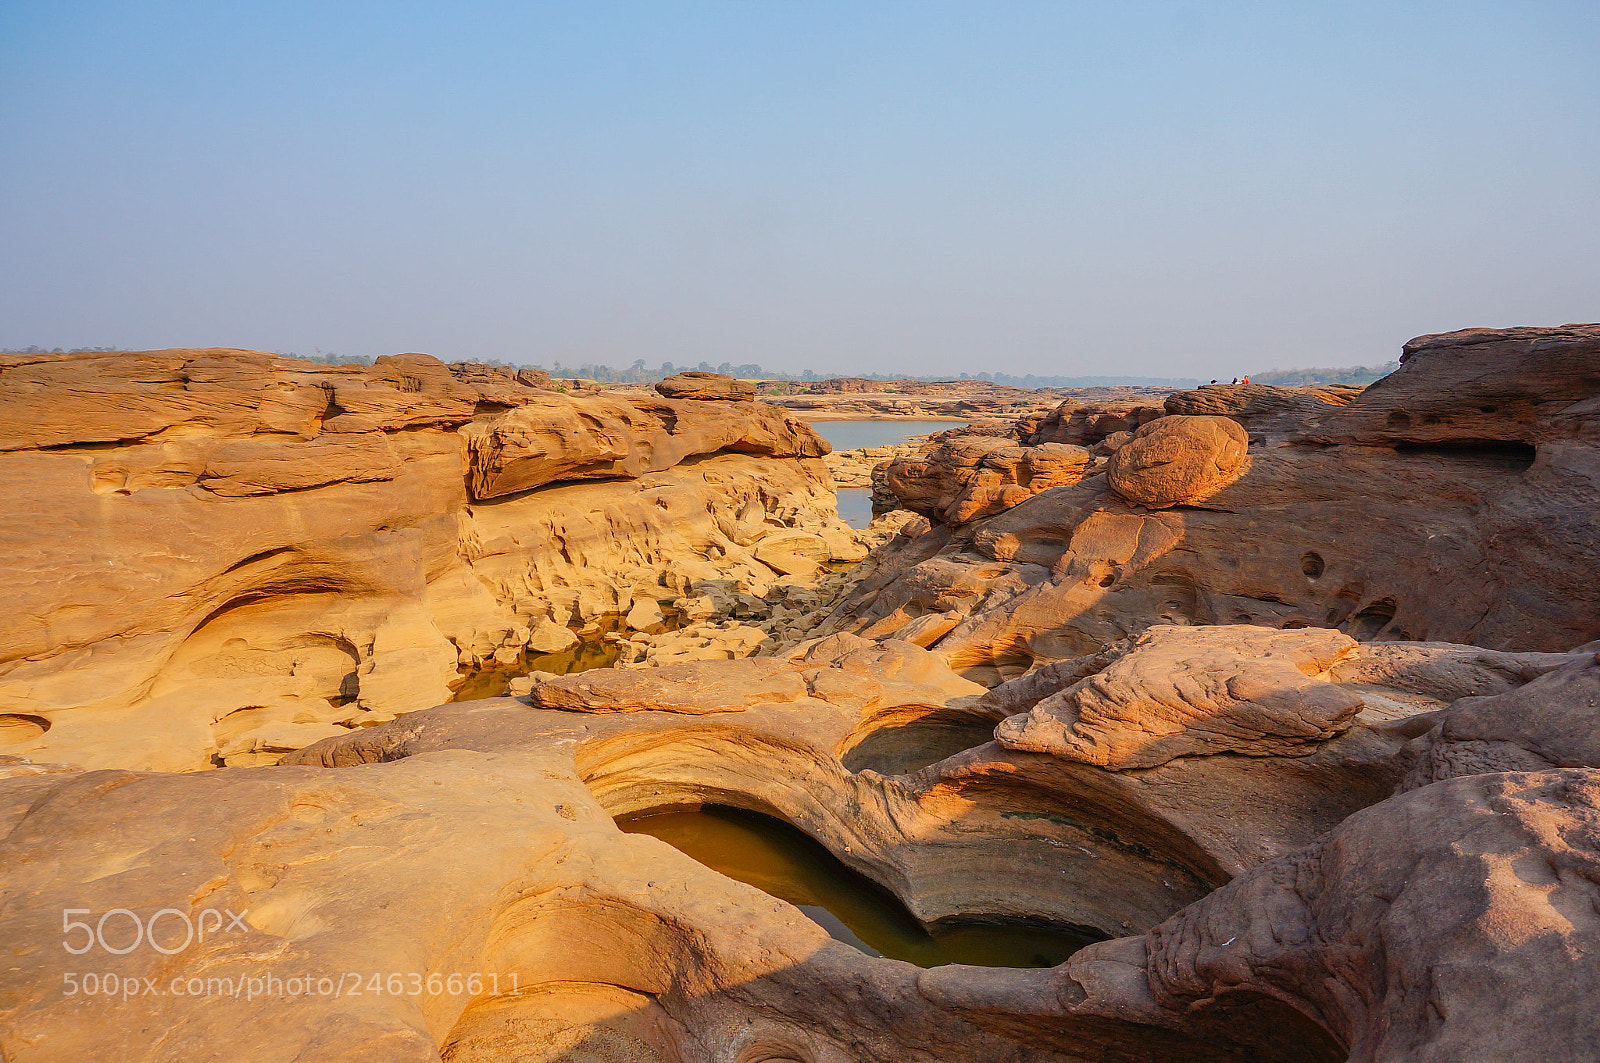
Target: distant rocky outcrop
850,399
706,387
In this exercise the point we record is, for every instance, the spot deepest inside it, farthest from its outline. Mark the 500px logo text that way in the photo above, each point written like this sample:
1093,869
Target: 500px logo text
177,929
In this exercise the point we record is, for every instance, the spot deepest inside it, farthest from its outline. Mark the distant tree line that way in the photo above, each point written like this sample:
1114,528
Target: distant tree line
1359,375
55,350
640,372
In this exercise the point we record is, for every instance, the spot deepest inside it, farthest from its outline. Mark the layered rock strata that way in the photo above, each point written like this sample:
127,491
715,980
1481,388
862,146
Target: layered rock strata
251,553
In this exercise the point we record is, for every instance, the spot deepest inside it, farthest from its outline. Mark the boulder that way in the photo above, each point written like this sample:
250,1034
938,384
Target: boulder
1178,459
706,386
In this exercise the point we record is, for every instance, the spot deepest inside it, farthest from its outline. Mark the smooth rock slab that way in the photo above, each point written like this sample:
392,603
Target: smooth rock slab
1181,691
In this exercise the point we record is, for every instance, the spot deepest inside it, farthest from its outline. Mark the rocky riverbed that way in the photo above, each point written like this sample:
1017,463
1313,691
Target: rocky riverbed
1288,695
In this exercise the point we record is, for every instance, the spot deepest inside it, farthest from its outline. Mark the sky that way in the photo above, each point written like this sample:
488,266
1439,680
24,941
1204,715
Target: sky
1183,189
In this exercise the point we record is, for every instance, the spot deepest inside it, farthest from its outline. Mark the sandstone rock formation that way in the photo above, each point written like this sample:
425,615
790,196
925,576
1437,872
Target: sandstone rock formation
1183,704
1552,722
1177,459
706,386
964,478
851,399
621,947
561,438
1195,691
858,467
264,551
1451,531
1084,424
1431,926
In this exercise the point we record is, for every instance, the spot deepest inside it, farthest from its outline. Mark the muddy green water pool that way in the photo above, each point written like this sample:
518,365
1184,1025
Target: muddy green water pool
785,862
592,650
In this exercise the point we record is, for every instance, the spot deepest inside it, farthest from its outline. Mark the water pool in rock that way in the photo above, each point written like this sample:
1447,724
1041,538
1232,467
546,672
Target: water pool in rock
592,650
851,435
785,862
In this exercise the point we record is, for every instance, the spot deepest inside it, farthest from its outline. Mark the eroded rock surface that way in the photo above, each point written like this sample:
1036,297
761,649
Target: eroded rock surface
706,386
1310,841
1196,691
1451,531
964,478
263,551
1551,722
1430,926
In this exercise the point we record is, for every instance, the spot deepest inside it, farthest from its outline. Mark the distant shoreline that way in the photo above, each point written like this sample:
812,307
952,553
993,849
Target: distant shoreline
810,415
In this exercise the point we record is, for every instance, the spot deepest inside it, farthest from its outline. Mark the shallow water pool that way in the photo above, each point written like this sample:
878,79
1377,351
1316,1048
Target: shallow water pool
785,862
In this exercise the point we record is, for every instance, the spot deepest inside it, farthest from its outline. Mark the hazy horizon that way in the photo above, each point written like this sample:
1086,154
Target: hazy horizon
1156,189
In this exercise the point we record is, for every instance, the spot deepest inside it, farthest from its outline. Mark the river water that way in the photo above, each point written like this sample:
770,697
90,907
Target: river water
855,503
852,435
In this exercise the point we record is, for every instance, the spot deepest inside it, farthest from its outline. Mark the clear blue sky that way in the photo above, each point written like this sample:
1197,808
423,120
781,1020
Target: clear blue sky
1193,189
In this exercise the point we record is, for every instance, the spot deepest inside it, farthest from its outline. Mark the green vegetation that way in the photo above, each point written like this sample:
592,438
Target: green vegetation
1357,375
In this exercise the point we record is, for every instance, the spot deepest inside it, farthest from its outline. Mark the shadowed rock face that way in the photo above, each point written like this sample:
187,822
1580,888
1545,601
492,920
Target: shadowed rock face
1553,722
1431,926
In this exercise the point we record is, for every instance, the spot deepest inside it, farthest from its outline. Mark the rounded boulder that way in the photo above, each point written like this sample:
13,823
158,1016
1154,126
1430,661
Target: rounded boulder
1178,459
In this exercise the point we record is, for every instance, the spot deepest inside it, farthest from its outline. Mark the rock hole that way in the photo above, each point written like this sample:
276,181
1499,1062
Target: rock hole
1312,565
1107,580
16,728
765,1051
900,743
1370,621
1399,419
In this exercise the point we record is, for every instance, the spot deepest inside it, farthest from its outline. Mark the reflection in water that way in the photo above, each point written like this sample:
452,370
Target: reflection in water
592,650
855,506
775,857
